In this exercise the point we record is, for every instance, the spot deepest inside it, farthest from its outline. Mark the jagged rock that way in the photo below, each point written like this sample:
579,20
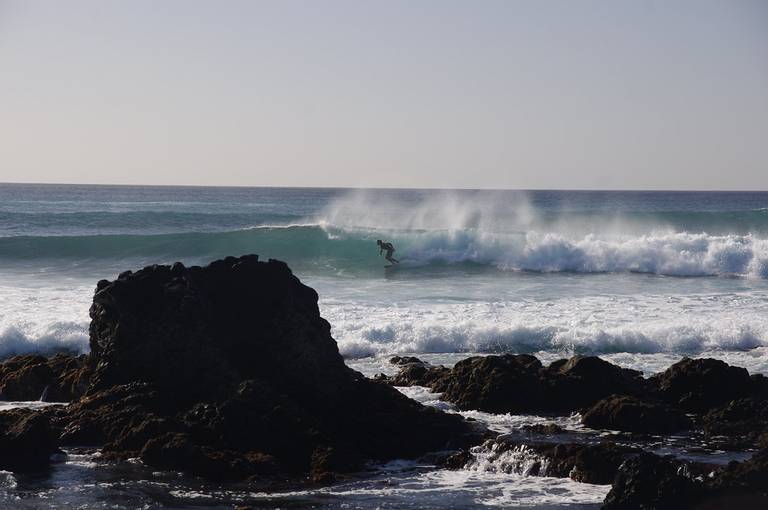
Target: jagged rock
496,384
26,440
597,464
586,463
419,373
648,481
518,383
630,414
580,381
652,482
697,385
742,485
545,429
61,378
744,421
108,416
456,460
404,360
179,451
229,371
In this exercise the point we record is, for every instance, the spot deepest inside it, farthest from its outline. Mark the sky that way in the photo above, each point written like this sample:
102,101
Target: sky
588,94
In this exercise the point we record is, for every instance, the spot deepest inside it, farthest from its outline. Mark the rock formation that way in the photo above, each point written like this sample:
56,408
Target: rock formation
229,371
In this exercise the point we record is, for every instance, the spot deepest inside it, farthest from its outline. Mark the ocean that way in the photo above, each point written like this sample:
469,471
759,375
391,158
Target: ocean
639,278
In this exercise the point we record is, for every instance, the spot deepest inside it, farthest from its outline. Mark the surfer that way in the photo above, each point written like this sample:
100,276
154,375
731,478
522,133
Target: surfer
389,249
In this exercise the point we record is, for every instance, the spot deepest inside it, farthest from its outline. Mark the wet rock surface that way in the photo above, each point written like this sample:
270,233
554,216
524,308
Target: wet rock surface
61,378
706,398
519,383
632,414
697,385
26,440
651,481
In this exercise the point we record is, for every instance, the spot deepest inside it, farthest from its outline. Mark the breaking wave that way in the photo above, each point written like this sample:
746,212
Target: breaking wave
470,336
354,251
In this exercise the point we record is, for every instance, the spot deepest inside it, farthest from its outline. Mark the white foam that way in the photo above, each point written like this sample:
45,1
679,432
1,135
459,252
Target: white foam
405,485
40,318
688,324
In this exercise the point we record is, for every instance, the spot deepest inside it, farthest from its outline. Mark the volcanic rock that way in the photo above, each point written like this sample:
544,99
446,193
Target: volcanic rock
26,440
745,421
61,378
697,385
518,383
414,372
586,463
631,414
649,481
496,384
228,370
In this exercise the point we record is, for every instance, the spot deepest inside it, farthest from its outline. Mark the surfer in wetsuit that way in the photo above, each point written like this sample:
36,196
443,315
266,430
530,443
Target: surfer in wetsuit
389,249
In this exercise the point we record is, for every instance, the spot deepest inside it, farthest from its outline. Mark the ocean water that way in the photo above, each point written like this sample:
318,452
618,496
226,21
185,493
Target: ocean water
640,278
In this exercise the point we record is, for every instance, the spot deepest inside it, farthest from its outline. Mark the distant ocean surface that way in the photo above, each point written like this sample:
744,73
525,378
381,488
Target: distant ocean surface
640,278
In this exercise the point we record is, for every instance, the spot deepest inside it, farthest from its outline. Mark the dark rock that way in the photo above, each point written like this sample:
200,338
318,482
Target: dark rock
404,360
328,461
497,384
586,463
648,481
697,385
742,485
545,429
228,371
652,482
745,421
61,378
26,441
418,373
630,414
457,460
179,451
108,416
581,381
518,383
597,464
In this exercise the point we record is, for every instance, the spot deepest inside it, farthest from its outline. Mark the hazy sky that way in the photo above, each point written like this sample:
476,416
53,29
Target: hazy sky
479,94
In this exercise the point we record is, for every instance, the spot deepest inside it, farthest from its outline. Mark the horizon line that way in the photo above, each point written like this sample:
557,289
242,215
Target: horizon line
393,188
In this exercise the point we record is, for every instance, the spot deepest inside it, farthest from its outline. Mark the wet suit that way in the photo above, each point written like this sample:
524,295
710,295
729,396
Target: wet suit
389,249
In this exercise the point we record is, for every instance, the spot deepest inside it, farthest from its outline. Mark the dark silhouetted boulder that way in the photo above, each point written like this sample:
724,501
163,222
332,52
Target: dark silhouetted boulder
404,360
580,381
744,421
518,383
697,385
497,384
650,482
26,440
229,371
419,373
631,414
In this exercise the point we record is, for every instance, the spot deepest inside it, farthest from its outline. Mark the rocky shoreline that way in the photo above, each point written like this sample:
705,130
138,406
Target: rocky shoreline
229,372
718,403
